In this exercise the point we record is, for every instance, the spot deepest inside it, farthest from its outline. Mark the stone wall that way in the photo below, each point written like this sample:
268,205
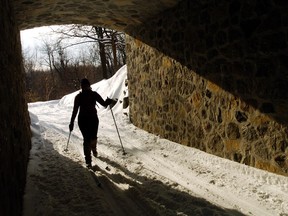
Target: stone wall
216,79
14,121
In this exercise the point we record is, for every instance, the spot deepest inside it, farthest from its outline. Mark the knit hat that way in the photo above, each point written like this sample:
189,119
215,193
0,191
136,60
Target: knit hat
85,83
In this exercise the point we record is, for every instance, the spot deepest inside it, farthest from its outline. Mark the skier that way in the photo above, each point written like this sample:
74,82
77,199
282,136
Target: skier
88,119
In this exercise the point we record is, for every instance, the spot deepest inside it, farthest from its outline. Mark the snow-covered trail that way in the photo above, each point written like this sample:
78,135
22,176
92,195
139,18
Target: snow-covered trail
155,177
129,185
219,181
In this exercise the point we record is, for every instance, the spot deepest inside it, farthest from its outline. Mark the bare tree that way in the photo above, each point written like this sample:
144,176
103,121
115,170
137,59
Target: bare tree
117,44
62,69
109,46
49,50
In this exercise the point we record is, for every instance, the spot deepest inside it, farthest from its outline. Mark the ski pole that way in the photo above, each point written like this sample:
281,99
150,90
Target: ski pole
117,131
66,149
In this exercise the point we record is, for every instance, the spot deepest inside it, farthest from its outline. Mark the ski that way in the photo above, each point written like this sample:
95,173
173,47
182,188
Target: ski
93,174
101,164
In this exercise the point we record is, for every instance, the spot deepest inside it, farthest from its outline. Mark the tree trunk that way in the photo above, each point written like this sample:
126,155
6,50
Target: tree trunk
114,51
102,53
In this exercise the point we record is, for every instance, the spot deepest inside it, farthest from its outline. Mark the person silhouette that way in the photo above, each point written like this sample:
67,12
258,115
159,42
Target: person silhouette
88,120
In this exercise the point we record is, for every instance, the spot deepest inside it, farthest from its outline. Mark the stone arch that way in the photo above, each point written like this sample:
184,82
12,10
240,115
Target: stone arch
16,15
222,65
114,14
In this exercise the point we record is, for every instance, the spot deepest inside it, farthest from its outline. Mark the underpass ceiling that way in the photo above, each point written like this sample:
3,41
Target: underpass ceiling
113,14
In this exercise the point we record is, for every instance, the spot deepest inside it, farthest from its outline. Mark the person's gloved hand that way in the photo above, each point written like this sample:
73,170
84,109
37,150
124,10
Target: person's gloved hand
71,126
111,102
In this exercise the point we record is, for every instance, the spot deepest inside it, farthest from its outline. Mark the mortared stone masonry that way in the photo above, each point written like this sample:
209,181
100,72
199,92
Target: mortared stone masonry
208,74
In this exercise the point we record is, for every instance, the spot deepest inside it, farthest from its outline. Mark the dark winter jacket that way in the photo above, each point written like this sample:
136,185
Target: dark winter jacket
86,101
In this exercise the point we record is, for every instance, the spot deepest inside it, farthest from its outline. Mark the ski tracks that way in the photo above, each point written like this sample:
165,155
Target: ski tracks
195,176
165,193
150,179
61,185
71,178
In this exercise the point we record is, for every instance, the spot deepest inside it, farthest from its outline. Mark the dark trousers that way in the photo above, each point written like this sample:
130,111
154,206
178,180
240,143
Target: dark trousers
89,130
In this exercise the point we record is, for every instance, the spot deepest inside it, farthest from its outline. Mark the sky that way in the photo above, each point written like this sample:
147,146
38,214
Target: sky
148,176
32,41
30,38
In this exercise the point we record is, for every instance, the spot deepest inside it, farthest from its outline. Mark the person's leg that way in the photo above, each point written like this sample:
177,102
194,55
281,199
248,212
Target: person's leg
86,142
94,138
94,147
87,150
